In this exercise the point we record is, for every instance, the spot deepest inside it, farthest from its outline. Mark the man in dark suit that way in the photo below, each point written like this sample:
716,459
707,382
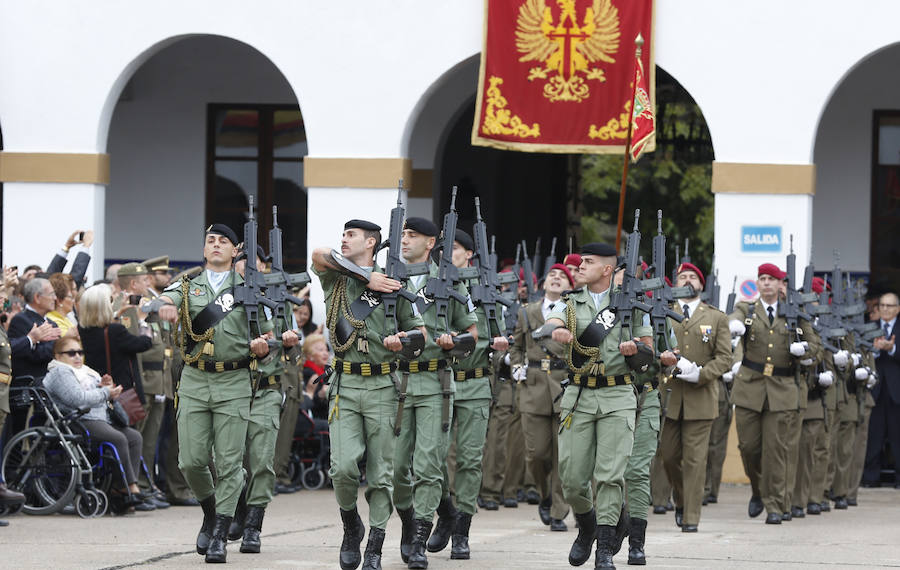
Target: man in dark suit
82,259
885,420
31,358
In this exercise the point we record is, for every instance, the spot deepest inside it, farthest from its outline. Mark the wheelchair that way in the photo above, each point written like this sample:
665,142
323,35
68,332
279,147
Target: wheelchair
310,454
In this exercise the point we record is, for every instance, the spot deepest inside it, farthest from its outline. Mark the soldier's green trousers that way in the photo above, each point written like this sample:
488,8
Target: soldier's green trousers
363,423
468,433
763,441
685,444
259,457
214,430
812,463
842,447
718,448
858,461
149,428
795,430
637,471
419,456
594,446
284,442
541,436
497,444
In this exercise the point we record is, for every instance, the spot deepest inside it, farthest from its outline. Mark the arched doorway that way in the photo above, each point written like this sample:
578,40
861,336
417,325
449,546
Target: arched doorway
202,125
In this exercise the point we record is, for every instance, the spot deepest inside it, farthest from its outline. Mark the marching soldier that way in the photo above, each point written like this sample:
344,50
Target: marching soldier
292,387
362,397
421,447
718,439
539,367
704,343
8,497
598,409
215,389
765,393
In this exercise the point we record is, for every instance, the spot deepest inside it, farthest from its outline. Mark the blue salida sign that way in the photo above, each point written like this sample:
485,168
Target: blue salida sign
761,239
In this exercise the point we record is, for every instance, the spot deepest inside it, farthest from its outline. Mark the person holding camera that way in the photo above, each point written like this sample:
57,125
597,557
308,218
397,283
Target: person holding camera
82,259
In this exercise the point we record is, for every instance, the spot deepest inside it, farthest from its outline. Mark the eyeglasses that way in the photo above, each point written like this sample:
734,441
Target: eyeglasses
73,353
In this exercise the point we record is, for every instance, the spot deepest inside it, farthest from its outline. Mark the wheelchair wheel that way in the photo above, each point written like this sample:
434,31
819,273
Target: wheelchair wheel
102,503
313,478
90,504
38,466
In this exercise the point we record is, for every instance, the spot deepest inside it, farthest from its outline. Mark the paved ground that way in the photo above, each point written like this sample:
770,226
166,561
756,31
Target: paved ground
303,531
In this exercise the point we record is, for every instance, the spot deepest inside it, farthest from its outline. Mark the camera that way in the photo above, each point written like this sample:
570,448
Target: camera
134,299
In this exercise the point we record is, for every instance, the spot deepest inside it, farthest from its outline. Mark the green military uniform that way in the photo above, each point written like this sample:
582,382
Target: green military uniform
600,401
539,404
795,436
718,444
705,340
812,456
858,460
660,486
421,446
849,420
766,396
5,377
292,387
362,400
214,407
503,422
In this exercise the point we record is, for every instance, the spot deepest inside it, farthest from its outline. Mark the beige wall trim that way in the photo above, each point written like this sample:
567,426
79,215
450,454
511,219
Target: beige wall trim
54,167
422,183
746,178
356,172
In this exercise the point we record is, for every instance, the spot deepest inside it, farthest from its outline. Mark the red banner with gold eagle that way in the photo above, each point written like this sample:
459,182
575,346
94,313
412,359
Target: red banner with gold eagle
558,75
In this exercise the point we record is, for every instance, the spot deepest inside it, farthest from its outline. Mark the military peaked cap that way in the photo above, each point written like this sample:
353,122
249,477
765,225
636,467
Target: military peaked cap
131,269
160,263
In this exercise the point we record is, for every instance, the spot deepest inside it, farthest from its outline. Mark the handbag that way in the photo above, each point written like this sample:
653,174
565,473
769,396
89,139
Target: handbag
116,414
128,403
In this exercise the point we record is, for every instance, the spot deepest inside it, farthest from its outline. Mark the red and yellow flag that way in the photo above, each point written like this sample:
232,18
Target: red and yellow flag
643,131
557,75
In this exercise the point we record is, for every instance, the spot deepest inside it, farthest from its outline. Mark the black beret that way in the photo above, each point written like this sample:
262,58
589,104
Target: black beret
362,225
223,230
423,226
596,248
261,253
465,240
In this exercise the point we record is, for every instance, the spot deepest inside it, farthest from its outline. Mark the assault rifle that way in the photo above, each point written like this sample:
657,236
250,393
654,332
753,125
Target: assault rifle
486,293
250,292
686,258
792,308
712,292
732,297
528,275
550,259
677,262
512,295
414,342
536,261
278,280
662,296
626,298
441,288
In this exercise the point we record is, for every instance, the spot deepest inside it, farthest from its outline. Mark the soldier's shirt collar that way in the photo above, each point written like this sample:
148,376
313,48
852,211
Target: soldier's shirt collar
692,306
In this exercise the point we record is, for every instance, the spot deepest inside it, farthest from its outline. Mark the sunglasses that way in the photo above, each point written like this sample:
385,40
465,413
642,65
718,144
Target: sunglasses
73,353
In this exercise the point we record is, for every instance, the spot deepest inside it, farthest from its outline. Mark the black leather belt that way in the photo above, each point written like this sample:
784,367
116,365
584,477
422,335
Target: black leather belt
768,369
593,382
364,368
546,364
414,366
227,366
463,375
153,365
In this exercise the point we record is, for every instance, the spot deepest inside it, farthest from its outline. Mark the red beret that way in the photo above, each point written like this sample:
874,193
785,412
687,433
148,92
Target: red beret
522,276
772,270
668,281
818,284
565,270
572,259
691,267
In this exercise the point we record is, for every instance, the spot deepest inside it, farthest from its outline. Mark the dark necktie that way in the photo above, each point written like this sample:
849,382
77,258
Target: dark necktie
687,311
771,314
550,308
886,330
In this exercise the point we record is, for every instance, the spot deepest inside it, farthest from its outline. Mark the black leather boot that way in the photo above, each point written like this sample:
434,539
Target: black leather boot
606,542
252,527
216,552
372,559
407,532
417,558
460,548
622,528
236,530
354,532
587,532
636,535
209,521
444,528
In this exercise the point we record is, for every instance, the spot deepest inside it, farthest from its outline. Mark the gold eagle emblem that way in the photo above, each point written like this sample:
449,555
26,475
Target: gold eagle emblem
566,48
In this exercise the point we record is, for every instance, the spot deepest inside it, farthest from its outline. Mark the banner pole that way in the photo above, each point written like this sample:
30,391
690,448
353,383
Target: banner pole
639,42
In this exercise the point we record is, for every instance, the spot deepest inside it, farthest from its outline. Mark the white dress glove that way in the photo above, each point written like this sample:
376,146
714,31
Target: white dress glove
807,361
734,341
826,378
728,377
736,327
506,359
735,368
861,374
690,372
857,358
519,373
841,358
797,349
873,379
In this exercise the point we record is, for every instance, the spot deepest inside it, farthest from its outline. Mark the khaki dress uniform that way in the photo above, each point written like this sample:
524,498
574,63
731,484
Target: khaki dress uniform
718,443
765,400
849,420
704,339
598,417
795,432
292,387
858,461
812,456
504,432
5,377
539,404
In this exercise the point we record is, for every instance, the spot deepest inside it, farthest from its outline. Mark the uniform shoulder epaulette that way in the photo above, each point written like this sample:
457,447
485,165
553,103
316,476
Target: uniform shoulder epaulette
173,286
712,308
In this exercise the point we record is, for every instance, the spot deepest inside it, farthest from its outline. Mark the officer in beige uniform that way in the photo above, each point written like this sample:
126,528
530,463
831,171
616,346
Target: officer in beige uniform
704,342
765,392
539,367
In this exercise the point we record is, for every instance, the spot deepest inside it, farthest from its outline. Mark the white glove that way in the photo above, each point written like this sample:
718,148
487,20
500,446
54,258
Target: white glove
506,359
840,358
857,358
873,379
807,361
735,368
690,372
826,378
797,349
734,341
728,377
519,373
861,374
736,327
